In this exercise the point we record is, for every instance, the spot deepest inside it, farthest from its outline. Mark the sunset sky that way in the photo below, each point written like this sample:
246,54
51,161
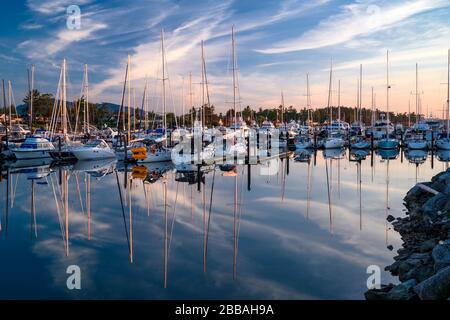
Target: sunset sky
278,42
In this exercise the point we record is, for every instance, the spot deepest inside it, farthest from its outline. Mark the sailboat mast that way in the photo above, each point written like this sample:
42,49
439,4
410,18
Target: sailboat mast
339,104
360,92
163,58
203,87
86,98
191,104
64,98
387,86
448,95
329,92
308,99
129,98
417,93
31,97
233,48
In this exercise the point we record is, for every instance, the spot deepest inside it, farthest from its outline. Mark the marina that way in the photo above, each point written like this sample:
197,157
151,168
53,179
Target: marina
225,151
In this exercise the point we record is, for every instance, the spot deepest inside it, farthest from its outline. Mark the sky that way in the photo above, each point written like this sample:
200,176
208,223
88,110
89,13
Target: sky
278,42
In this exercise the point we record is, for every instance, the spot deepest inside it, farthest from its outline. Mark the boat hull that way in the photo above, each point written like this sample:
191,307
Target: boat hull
334,144
443,144
31,154
418,145
388,144
91,154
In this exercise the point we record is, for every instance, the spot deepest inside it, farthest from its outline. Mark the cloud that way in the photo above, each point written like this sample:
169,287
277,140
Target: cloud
357,19
52,7
63,38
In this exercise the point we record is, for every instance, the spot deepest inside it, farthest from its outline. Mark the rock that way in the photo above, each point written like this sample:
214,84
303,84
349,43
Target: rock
436,287
379,294
390,247
433,205
441,255
390,218
404,291
428,245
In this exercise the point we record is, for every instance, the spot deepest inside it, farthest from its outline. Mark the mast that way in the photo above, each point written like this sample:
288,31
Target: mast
182,104
233,58
417,94
191,104
308,99
339,104
360,92
31,97
4,112
388,86
164,82
129,98
86,100
329,92
203,88
64,98
448,95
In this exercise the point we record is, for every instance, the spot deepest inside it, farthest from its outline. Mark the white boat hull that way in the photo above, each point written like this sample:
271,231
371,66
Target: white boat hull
93,154
443,144
418,145
361,145
32,154
334,143
388,144
158,156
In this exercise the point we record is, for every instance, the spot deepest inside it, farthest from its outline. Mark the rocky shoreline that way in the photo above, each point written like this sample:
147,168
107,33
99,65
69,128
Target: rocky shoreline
423,263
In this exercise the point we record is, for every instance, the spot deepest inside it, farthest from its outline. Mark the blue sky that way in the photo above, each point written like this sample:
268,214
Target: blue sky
278,42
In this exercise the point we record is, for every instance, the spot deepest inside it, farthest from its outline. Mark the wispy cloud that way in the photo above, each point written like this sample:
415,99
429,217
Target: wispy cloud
358,19
51,7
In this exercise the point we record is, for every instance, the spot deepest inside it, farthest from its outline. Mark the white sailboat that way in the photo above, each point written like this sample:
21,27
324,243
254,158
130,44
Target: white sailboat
160,152
418,141
96,149
35,147
334,139
359,141
387,142
444,142
304,141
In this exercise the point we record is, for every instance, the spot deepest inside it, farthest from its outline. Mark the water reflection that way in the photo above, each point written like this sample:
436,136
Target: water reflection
302,226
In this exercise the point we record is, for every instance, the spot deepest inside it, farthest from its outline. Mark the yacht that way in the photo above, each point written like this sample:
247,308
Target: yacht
33,148
93,150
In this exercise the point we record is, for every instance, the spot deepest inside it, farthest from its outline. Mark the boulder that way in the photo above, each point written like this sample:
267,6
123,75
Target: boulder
428,245
379,294
436,287
441,255
404,291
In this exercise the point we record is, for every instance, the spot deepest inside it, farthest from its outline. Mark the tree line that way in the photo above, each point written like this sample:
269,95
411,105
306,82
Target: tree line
105,114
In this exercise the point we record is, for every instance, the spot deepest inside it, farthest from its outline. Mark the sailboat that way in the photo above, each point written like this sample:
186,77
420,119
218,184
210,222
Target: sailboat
444,142
387,142
359,141
334,139
34,147
304,141
238,147
159,151
94,149
418,141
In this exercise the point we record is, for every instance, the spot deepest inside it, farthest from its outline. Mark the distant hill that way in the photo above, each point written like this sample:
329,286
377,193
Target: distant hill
112,107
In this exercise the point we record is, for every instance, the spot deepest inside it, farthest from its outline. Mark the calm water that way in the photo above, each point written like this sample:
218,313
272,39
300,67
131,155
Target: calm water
274,241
